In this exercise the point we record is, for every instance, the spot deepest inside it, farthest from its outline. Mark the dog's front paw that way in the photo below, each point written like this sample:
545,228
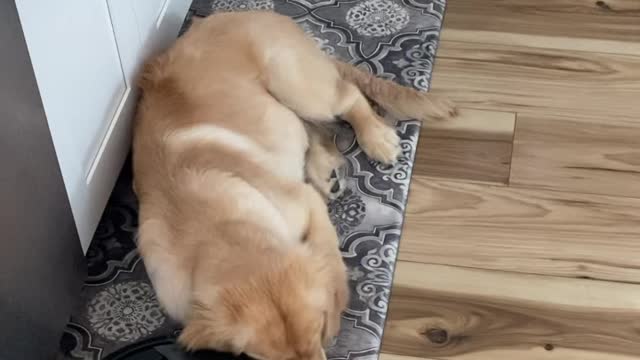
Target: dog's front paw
380,143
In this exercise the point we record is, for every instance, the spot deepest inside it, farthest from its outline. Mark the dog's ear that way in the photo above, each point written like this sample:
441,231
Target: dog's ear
196,336
206,333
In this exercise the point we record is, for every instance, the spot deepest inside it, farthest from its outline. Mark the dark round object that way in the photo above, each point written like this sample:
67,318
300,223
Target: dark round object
165,348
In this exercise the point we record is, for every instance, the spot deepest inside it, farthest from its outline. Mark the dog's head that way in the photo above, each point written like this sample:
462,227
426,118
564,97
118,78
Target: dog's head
287,312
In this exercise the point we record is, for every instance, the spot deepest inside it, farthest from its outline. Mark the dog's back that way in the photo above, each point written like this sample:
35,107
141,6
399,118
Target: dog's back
209,151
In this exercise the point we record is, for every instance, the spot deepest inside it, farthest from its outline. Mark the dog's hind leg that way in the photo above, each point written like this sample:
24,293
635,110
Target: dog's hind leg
323,158
308,82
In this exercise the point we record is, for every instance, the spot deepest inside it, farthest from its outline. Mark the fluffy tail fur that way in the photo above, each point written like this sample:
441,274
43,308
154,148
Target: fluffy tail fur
400,101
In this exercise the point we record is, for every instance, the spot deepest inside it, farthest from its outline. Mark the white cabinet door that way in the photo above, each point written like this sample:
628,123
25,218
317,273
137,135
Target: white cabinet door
85,55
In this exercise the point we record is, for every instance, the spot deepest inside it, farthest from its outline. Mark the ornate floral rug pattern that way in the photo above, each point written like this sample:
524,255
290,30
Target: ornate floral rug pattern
396,39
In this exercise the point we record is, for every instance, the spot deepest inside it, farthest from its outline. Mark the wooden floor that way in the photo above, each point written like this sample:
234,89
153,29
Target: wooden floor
522,236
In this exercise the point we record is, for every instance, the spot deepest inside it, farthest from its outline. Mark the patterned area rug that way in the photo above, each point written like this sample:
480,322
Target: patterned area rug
396,39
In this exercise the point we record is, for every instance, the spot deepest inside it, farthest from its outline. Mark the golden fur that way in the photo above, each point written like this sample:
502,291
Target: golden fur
238,247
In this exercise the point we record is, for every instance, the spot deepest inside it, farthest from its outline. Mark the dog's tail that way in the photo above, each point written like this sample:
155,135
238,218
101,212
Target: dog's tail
400,101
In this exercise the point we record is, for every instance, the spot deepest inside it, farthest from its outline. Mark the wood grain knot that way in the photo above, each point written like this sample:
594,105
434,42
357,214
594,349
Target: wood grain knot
548,347
603,5
437,336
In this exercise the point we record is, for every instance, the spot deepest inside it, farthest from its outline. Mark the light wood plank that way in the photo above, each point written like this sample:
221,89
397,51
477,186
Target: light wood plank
522,230
591,156
536,353
540,41
386,356
612,25
459,203
441,311
473,124
539,81
476,146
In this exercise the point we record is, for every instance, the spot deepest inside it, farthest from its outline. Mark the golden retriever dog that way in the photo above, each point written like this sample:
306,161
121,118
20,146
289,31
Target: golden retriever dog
239,248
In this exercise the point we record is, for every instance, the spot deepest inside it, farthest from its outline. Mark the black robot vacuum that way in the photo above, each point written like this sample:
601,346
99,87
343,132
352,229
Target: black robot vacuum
165,348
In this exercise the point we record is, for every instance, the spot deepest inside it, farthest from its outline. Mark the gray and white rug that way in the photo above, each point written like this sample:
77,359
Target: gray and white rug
396,39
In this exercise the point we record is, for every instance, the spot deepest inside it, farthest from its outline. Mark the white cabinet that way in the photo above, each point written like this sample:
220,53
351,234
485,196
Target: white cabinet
86,55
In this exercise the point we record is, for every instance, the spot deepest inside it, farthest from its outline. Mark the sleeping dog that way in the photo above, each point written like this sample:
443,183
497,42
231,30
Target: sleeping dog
234,230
